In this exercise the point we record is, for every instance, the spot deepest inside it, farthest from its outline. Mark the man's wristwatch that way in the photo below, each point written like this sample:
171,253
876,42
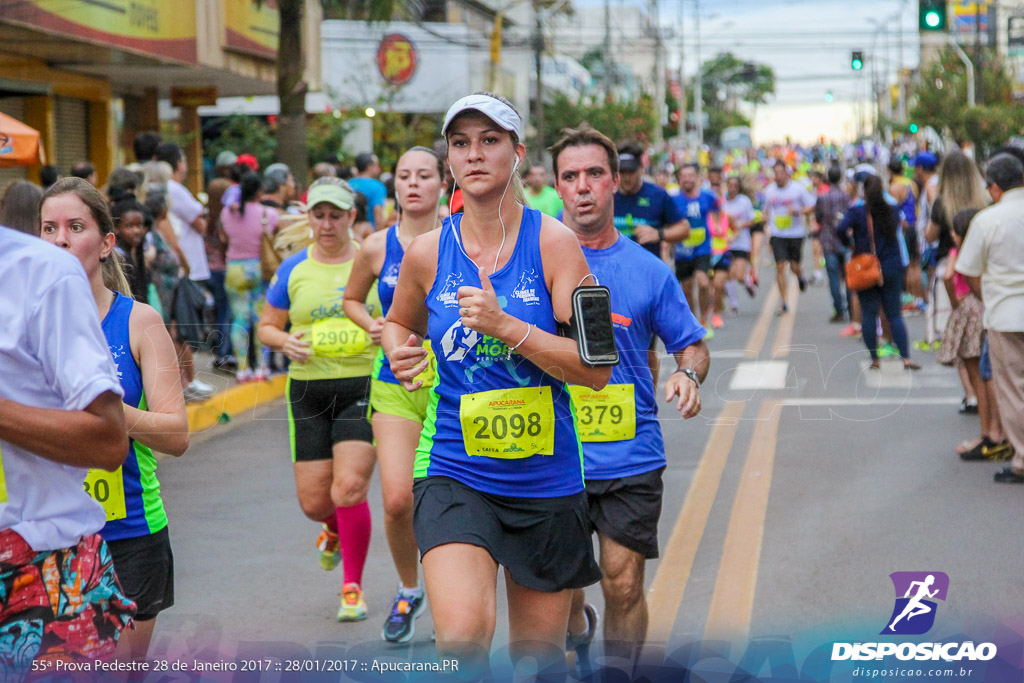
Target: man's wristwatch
691,374
661,234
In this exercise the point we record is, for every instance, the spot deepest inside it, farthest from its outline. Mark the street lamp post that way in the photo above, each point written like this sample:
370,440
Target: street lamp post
698,100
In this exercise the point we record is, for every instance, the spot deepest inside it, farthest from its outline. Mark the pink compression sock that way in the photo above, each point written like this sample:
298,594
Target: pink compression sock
354,527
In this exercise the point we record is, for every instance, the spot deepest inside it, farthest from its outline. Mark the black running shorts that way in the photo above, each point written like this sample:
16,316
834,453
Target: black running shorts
323,412
544,543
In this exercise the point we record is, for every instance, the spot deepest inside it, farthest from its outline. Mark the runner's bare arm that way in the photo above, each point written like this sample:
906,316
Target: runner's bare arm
677,232
271,333
564,269
94,437
365,269
696,358
163,426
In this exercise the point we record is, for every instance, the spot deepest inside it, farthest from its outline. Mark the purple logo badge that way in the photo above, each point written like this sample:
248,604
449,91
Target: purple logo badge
914,611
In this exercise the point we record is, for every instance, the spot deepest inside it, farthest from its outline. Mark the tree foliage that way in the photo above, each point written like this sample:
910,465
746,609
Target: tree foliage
620,121
942,95
240,133
735,76
728,80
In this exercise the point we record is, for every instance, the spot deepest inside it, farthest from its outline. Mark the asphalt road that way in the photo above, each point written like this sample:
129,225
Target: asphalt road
804,483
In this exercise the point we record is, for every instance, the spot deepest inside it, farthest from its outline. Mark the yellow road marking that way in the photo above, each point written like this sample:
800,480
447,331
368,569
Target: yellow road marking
784,333
732,601
669,583
764,322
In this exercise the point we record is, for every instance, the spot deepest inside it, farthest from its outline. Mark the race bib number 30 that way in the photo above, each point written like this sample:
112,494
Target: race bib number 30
107,489
3,481
605,415
338,338
508,423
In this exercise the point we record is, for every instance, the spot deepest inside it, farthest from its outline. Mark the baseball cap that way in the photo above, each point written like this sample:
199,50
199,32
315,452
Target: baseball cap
338,195
494,109
226,158
862,171
628,163
925,160
279,171
249,160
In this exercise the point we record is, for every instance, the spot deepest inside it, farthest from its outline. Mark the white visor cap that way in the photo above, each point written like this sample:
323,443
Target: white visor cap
496,110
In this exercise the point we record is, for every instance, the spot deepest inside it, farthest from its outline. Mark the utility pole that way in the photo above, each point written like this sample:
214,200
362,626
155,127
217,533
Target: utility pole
901,86
607,50
698,99
683,108
978,57
538,52
659,71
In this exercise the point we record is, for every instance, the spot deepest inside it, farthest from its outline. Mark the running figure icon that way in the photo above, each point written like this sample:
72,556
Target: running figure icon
915,606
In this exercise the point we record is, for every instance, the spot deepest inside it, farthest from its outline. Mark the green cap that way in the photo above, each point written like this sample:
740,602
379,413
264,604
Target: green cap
338,195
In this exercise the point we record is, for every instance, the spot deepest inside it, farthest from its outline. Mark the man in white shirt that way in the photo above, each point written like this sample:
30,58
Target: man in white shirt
60,414
786,204
188,218
992,258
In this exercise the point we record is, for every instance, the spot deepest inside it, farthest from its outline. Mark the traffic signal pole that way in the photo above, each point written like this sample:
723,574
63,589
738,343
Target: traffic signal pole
970,69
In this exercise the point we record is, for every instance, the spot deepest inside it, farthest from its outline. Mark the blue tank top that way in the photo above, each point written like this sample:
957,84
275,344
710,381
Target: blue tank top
501,426
386,282
143,505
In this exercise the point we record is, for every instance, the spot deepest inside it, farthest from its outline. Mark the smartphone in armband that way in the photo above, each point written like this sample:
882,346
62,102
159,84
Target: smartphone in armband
591,326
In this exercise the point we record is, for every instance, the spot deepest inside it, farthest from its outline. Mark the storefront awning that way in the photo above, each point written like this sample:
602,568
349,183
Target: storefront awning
19,144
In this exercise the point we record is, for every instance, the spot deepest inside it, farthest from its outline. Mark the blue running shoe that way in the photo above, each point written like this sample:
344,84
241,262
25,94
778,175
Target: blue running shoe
400,626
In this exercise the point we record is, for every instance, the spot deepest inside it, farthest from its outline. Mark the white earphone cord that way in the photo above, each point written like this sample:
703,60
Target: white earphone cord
497,256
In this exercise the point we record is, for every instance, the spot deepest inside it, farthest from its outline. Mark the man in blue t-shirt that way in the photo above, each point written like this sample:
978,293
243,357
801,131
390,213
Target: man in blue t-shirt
644,211
693,255
366,184
623,450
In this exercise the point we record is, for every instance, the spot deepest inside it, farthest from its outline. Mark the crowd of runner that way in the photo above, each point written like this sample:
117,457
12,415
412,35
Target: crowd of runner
418,327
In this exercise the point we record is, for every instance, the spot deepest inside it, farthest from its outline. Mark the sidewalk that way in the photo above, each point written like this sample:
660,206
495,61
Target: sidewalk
232,399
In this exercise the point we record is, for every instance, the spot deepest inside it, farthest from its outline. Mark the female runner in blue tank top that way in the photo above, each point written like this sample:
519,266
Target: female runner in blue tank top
498,471
398,415
75,217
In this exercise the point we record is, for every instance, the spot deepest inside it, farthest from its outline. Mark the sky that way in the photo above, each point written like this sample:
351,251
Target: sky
808,44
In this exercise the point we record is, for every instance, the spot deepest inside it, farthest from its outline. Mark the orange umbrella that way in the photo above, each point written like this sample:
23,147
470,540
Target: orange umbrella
19,144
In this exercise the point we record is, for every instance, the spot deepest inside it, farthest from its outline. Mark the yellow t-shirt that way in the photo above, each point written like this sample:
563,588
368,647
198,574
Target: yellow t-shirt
311,292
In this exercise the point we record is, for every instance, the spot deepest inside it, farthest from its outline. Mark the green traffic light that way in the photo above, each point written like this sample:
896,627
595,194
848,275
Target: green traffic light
932,19
857,65
913,128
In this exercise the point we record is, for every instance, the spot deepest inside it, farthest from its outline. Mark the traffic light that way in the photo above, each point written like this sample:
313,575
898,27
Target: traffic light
913,128
932,15
857,60
828,96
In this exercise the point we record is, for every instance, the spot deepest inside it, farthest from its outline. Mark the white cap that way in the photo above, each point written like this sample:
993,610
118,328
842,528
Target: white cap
494,109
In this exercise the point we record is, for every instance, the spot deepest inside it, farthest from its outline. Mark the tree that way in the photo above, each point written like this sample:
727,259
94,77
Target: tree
291,67
620,121
241,133
728,80
941,96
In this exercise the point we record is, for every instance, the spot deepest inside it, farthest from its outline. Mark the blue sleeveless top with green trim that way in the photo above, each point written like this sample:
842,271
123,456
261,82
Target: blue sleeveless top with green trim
386,283
499,425
143,505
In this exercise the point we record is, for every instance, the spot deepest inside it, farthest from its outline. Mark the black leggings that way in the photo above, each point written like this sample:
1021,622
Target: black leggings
888,298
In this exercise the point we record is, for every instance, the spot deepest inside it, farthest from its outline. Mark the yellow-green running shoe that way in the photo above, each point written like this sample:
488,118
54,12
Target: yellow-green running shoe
353,606
330,551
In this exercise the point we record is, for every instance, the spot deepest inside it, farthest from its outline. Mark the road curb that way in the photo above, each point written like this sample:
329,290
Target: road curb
232,402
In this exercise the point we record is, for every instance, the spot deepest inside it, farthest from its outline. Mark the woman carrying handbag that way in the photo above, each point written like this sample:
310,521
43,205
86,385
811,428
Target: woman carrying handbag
876,270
